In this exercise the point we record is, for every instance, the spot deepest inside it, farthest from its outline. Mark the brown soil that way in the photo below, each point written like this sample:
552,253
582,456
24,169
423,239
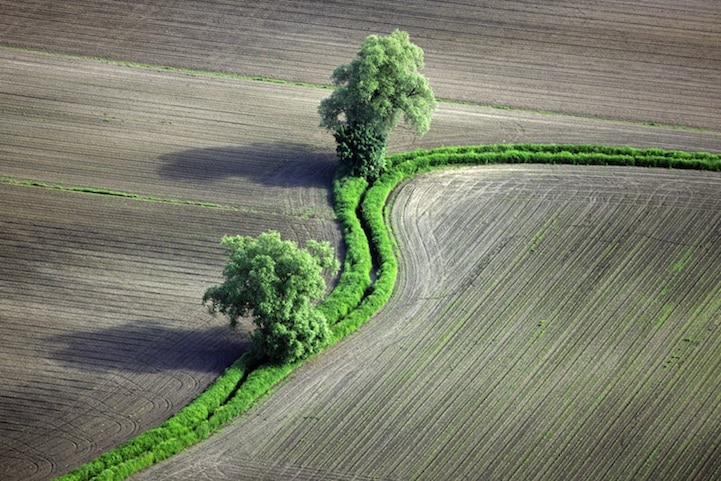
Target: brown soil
172,135
103,335
99,292
251,145
102,328
651,61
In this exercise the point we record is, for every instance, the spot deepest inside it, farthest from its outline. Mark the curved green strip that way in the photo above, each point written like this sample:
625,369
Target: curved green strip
353,301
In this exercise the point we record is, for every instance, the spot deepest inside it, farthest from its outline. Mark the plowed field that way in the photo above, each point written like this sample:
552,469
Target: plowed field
611,59
169,135
161,133
548,323
101,332
103,335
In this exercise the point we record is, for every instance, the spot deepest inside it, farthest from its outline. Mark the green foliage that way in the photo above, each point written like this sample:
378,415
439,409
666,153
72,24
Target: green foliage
372,92
293,338
372,210
355,278
277,282
360,150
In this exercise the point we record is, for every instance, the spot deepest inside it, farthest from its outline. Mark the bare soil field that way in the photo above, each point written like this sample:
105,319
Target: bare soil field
102,332
548,323
649,61
103,335
251,145
169,135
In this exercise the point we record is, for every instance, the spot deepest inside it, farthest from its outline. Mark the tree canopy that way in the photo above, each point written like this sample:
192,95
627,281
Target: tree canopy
372,92
277,283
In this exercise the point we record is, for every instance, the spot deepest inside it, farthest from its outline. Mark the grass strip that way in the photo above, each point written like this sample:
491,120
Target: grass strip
647,123
354,300
113,193
168,68
354,280
245,382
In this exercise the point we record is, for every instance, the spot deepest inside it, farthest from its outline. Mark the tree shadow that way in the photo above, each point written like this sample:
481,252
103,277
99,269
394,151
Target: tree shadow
283,164
149,347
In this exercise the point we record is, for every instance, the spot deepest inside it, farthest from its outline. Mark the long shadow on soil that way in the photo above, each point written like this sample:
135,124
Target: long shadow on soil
147,347
280,164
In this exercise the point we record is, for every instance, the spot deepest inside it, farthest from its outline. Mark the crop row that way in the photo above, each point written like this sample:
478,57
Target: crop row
361,211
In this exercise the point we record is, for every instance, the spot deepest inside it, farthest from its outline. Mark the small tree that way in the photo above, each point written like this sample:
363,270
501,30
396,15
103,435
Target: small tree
278,283
371,93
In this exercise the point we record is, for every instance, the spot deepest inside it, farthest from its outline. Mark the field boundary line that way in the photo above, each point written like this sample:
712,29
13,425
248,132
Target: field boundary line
316,86
112,193
166,68
30,183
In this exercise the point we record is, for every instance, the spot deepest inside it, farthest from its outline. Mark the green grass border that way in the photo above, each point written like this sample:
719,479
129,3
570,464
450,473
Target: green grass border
112,193
361,210
168,68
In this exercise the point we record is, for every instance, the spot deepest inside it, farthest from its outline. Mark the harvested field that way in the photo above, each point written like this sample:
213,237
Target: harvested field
548,323
650,61
103,334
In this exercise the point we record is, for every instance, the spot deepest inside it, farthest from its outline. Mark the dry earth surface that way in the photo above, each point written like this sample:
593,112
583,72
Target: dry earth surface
174,135
103,335
548,323
650,60
102,332
251,145
92,316
231,141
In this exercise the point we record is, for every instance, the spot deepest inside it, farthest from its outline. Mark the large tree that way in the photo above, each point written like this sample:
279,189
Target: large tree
277,283
372,92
